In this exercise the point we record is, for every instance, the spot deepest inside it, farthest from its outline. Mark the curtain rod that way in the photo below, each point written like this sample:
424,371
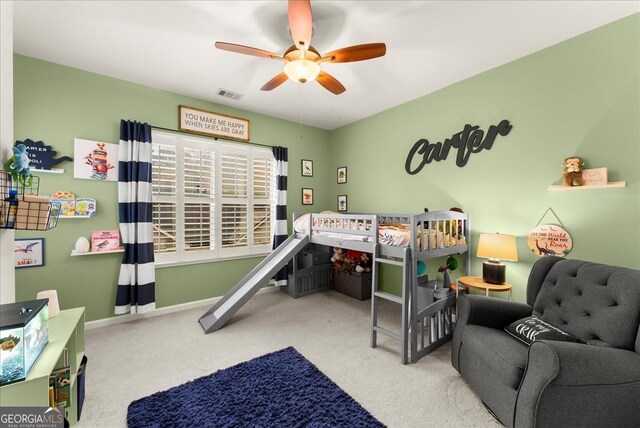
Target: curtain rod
215,138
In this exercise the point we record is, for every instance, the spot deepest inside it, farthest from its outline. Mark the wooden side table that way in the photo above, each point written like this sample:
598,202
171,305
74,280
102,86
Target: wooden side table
479,283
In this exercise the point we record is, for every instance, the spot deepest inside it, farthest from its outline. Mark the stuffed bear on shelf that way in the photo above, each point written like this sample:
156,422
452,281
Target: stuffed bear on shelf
572,176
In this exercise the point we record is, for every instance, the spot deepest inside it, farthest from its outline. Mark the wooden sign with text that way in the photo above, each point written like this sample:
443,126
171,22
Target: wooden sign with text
204,122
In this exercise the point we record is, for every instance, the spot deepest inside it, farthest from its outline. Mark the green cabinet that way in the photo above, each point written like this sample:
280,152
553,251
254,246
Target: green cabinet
66,331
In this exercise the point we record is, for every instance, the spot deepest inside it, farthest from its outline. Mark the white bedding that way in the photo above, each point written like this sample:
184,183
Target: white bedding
394,234
303,225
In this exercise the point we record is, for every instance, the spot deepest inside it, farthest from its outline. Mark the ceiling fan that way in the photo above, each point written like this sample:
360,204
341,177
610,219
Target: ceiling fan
302,61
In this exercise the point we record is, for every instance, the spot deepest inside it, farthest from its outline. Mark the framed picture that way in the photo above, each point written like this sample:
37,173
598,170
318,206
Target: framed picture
307,196
342,175
307,168
28,252
342,202
95,160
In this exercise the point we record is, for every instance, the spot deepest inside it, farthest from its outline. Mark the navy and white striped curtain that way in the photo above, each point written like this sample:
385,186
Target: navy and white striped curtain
280,230
136,283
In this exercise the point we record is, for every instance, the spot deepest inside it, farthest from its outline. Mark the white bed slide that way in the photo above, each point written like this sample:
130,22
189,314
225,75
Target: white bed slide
220,313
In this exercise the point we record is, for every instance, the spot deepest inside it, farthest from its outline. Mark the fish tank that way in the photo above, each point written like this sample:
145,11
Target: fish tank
23,335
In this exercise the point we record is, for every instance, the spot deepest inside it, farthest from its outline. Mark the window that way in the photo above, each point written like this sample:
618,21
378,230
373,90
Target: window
211,200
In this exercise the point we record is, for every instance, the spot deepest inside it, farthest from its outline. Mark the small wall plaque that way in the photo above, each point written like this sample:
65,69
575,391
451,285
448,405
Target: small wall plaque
595,176
42,156
549,240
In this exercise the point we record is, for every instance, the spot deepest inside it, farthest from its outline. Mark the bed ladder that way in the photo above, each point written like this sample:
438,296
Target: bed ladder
403,337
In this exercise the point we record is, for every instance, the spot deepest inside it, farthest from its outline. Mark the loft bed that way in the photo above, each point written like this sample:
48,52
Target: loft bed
401,240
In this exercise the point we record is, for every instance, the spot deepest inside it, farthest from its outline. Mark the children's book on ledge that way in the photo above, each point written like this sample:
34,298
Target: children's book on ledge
105,240
70,206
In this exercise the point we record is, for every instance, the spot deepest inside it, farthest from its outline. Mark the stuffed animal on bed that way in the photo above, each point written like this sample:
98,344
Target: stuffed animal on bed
352,258
342,260
460,234
572,175
336,258
364,265
348,260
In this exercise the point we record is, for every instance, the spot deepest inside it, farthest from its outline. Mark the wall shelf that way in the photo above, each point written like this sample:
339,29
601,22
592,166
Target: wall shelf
560,187
48,171
93,253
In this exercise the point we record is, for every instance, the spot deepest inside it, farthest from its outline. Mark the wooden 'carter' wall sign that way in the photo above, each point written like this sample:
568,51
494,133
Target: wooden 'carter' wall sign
471,139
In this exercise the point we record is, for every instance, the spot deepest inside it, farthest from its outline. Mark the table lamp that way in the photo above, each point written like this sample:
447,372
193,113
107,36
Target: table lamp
496,247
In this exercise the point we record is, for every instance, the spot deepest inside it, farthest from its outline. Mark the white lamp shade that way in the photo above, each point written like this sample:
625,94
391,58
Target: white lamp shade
497,246
52,295
302,70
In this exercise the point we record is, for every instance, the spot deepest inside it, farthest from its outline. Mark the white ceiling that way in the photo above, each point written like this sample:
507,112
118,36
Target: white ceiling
430,44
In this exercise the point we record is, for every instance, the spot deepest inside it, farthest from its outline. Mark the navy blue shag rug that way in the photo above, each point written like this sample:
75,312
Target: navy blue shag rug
280,389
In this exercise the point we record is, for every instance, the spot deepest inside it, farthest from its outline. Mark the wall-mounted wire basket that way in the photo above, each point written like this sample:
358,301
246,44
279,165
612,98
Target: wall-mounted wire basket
34,212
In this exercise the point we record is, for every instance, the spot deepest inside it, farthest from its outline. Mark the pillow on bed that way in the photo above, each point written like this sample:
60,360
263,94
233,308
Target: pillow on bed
303,224
532,328
393,225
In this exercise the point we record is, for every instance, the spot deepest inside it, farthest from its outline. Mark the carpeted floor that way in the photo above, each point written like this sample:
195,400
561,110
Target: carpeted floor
133,360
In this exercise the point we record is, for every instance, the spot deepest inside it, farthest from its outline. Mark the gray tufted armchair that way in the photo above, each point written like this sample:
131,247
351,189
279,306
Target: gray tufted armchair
550,383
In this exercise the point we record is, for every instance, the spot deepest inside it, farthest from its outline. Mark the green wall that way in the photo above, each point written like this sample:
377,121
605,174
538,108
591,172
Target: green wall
580,97
56,104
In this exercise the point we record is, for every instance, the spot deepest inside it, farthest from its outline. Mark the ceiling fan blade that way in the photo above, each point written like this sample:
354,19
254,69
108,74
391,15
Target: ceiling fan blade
300,23
330,83
356,53
246,50
275,82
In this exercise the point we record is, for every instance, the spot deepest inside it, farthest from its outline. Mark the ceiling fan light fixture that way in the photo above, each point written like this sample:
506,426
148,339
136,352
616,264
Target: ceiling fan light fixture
302,60
302,70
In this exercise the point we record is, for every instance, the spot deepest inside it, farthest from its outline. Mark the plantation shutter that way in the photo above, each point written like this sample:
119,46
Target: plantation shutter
210,200
263,200
199,207
234,180
164,198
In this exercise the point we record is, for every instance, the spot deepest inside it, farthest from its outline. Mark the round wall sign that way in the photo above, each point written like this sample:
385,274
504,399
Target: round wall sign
549,240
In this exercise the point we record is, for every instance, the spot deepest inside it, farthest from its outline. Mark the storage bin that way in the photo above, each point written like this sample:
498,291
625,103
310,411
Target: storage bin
307,281
353,284
33,212
311,256
82,371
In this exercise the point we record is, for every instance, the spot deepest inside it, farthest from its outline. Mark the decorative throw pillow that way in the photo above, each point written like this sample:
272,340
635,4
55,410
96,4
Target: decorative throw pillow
532,328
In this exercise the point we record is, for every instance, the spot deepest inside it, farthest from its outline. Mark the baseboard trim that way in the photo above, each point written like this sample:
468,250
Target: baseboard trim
119,319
